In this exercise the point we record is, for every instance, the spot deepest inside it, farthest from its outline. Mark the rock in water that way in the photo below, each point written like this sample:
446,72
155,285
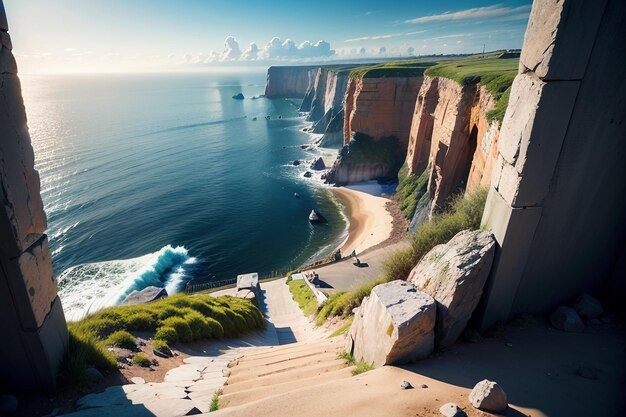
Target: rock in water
451,410
145,296
587,306
489,396
394,325
566,319
454,274
318,164
238,96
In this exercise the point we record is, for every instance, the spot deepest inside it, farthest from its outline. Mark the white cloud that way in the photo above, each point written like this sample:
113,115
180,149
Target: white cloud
251,53
488,12
288,49
387,36
231,49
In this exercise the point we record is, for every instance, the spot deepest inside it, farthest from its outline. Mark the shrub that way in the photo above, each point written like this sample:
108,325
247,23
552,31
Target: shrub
141,321
411,190
166,333
84,349
159,344
122,339
183,332
215,401
398,265
199,327
362,367
142,360
105,325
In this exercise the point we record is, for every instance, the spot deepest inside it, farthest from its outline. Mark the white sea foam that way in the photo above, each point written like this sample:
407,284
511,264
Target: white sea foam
90,287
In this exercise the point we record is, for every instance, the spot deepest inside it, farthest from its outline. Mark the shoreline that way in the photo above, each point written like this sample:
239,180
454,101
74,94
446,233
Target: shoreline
370,223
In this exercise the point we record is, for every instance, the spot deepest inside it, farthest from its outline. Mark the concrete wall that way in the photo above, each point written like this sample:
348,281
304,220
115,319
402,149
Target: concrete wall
33,325
557,200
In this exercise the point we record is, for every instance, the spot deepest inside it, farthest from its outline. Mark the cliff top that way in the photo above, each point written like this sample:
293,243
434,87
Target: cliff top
404,68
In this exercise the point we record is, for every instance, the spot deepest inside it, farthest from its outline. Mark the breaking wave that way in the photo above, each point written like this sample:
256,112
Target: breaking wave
90,287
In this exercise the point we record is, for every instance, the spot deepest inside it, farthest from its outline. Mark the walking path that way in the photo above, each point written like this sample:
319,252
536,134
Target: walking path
189,388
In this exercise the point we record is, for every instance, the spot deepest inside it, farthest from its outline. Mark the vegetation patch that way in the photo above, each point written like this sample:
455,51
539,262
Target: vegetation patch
343,329
404,68
464,213
303,295
215,401
495,74
179,318
142,360
363,149
362,367
410,190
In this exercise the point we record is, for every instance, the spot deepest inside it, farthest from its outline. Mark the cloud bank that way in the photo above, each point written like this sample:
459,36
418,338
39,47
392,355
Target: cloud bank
477,13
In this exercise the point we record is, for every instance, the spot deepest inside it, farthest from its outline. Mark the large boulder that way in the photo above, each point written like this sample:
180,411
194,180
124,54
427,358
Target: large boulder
489,396
566,319
587,306
454,274
394,325
146,295
318,164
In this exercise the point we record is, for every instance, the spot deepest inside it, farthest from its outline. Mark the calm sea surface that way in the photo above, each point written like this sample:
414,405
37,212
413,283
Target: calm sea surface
164,179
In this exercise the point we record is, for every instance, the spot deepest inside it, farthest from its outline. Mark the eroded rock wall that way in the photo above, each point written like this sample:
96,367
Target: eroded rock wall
33,324
289,82
451,134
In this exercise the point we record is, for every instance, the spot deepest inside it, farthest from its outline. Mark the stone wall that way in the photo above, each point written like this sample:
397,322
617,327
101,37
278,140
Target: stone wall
33,324
558,196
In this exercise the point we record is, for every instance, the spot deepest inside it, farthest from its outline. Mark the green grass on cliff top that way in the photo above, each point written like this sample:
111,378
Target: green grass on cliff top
496,74
179,318
405,68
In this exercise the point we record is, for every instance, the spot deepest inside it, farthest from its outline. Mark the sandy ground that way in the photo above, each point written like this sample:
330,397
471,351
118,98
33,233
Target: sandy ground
370,222
535,364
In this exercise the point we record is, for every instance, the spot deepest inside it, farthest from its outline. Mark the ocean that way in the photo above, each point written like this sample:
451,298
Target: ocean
165,179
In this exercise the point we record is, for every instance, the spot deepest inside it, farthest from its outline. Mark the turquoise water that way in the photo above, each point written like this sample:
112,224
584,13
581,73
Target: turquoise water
165,179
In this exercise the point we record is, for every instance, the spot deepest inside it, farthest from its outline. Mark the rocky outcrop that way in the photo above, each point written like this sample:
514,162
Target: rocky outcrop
454,274
146,295
377,121
324,101
451,132
566,319
393,325
289,82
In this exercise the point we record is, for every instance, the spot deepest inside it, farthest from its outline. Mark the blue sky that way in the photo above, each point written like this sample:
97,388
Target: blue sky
145,35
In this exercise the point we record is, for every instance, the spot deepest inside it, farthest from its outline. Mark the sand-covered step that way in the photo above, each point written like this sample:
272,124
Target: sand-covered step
262,353
243,374
234,397
277,357
277,378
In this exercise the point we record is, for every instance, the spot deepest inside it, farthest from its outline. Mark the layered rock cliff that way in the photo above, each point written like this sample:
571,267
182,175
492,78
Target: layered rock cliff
453,136
289,82
324,101
377,120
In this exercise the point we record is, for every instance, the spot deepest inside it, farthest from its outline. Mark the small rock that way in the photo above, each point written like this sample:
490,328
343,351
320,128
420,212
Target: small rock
587,373
163,353
193,412
406,385
587,306
137,380
296,163
423,386
93,374
318,164
8,404
566,319
238,96
308,174
451,410
488,396
154,362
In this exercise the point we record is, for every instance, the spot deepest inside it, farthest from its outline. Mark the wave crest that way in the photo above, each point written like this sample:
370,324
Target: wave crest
87,288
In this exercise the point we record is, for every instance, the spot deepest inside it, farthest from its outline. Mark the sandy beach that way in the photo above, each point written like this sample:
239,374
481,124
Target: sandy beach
370,222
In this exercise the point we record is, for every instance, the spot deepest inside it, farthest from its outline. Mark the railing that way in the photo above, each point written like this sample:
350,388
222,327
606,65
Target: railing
192,288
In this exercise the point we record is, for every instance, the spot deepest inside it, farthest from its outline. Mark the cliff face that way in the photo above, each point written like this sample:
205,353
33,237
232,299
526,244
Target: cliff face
452,135
380,107
289,82
324,102
376,125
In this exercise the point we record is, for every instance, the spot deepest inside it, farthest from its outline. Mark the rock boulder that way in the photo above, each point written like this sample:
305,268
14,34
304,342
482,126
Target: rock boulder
145,296
566,319
489,396
394,325
454,274
318,164
587,306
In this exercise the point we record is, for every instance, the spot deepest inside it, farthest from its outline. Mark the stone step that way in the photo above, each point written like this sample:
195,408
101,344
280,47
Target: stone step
323,375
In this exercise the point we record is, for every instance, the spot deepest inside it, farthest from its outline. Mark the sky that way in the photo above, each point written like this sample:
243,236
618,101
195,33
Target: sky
188,35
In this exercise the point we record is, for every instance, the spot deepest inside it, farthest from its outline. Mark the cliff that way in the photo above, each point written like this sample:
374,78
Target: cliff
377,120
289,82
324,102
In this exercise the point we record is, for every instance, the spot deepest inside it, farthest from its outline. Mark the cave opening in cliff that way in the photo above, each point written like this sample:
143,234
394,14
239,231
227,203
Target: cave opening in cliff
468,158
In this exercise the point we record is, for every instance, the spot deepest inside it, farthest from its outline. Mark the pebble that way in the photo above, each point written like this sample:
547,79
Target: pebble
451,410
423,386
406,385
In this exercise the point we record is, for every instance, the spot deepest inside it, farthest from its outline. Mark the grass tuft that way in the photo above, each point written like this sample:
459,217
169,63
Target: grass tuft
303,295
142,360
215,401
122,339
343,329
362,367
